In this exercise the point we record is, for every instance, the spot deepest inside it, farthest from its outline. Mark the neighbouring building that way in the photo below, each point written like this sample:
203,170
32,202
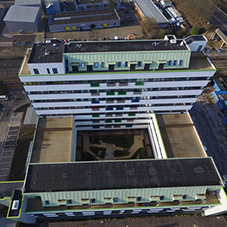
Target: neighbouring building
56,5
23,18
147,9
196,42
34,3
77,21
137,88
220,94
87,5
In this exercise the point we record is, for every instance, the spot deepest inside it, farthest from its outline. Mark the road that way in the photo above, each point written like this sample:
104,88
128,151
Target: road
193,221
219,20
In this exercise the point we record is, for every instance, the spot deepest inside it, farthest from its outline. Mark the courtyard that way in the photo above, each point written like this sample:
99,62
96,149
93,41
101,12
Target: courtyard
113,145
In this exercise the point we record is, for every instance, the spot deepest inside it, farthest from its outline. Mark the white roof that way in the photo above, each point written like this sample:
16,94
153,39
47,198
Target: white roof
21,14
150,10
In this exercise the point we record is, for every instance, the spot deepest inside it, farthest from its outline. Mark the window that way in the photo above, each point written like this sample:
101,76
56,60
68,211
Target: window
89,68
126,64
69,201
36,71
119,64
184,196
102,64
162,197
55,70
111,67
75,68
82,65
147,66
132,67
181,62
92,200
96,64
169,62
47,202
115,199
175,62
138,198
48,70
139,63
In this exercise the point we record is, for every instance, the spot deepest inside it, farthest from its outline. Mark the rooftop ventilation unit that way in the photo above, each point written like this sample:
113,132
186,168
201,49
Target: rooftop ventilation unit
47,52
15,205
173,41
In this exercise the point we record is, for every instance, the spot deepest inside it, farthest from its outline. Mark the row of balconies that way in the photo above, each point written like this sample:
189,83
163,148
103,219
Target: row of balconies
130,86
119,208
102,95
111,121
180,108
118,104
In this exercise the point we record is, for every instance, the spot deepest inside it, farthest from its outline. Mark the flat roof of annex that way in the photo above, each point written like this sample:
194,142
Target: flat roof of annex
113,175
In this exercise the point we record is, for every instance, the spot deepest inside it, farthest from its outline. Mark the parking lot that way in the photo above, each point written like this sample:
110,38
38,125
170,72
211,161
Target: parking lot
211,128
130,26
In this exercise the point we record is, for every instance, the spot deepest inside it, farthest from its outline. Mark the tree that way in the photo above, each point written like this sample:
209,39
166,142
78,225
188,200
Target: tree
195,30
150,25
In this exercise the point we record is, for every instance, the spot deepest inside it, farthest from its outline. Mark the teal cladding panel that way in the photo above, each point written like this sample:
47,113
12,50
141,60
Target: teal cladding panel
144,56
122,195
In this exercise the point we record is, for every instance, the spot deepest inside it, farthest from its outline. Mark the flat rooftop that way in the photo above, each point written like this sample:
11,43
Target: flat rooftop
125,45
6,188
27,2
150,10
179,136
85,16
21,14
193,38
84,2
199,61
53,140
113,175
46,53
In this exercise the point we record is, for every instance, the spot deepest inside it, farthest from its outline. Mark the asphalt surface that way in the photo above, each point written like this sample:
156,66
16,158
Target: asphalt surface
212,129
219,20
155,221
10,123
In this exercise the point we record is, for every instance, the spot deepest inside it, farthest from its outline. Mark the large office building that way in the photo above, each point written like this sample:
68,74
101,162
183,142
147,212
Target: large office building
139,89
111,80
